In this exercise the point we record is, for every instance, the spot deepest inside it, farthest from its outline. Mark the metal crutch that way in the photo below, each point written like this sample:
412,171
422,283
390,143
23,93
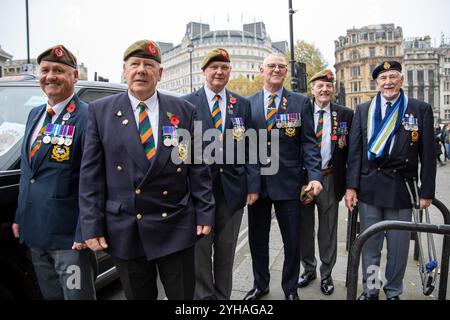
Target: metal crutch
427,271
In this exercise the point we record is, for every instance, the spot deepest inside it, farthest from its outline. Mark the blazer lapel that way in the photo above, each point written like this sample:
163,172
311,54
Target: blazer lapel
260,114
333,109
162,152
126,128
401,137
203,109
26,145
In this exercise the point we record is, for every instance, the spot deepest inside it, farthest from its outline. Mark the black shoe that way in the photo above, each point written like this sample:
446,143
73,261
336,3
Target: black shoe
367,296
256,294
293,296
327,286
393,298
305,279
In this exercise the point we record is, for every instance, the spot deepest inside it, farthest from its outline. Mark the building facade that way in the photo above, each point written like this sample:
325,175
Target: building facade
358,53
4,56
444,82
421,72
247,49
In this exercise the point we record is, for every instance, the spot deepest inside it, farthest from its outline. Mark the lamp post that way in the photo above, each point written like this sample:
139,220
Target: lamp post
294,76
28,32
190,48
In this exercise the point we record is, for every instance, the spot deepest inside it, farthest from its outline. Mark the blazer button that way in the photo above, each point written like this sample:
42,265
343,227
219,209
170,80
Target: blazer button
32,181
165,193
269,143
164,215
138,191
406,160
268,160
379,169
221,170
179,170
139,216
394,171
119,168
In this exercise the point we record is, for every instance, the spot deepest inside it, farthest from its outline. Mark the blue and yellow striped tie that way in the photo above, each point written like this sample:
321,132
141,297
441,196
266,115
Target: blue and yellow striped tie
146,132
271,111
216,114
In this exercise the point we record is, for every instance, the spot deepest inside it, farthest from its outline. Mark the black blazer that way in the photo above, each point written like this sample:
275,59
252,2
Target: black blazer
230,181
118,185
381,182
294,152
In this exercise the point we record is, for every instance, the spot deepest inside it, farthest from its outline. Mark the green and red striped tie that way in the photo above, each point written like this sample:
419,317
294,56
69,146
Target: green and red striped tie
146,132
216,114
38,141
319,130
271,111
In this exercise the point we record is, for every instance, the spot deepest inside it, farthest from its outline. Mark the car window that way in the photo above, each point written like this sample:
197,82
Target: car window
91,94
15,105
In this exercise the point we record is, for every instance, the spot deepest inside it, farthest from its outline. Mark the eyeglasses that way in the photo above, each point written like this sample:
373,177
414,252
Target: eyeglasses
273,66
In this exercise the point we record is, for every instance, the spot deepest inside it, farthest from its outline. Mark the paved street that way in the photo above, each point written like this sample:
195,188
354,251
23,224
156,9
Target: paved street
243,278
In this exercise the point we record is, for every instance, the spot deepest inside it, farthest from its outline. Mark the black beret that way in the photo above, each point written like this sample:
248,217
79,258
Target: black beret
60,54
146,49
386,66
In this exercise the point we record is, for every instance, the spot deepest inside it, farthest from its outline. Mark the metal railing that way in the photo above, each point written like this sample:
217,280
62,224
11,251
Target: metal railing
355,245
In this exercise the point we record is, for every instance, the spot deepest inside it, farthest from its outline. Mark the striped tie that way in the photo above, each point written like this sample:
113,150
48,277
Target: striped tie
271,111
38,142
146,132
319,130
216,114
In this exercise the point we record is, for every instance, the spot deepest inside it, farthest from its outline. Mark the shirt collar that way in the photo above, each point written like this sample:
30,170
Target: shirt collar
58,108
267,93
327,109
152,102
384,101
211,94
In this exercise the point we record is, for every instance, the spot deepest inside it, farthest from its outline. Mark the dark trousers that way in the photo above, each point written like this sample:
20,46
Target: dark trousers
176,271
259,220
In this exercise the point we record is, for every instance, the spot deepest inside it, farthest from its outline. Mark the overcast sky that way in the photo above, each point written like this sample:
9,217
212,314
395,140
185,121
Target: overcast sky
98,31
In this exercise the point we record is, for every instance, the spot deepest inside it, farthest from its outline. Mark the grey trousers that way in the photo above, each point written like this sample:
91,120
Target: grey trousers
397,250
327,207
214,255
65,274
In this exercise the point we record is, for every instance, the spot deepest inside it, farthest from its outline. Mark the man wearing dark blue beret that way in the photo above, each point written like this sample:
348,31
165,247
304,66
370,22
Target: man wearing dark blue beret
388,137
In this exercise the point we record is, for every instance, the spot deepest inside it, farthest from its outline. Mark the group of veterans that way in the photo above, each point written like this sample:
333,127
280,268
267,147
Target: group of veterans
102,177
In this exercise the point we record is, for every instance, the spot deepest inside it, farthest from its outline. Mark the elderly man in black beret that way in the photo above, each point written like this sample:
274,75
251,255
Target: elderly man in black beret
146,207
47,213
389,135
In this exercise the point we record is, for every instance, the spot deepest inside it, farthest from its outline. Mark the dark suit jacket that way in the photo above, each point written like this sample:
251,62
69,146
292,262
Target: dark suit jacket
381,182
339,157
47,209
294,152
172,199
231,181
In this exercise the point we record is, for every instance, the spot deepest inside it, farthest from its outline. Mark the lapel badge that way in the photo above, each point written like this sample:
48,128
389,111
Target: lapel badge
125,122
119,113
66,116
415,136
183,151
60,153
284,104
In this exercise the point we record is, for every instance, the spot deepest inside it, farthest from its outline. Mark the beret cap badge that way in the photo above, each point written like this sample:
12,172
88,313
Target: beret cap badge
152,49
58,52
386,66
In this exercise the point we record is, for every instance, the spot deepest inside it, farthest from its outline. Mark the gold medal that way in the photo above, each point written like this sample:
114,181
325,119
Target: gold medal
290,131
237,134
182,151
415,136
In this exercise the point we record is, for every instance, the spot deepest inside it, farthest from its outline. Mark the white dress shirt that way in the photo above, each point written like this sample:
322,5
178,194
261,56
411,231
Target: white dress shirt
325,149
210,96
152,111
58,108
383,113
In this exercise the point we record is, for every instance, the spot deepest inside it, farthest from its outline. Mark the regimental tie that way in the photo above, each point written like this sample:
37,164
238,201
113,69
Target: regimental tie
38,142
146,131
388,108
319,130
271,112
216,114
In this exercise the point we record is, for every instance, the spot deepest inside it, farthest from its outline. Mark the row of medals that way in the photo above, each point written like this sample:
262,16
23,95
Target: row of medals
289,125
61,140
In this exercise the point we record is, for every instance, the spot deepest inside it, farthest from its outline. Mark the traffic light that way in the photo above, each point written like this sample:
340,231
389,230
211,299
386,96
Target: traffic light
300,72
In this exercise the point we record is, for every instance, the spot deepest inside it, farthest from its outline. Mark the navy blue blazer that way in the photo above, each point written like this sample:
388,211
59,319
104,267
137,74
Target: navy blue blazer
381,182
47,211
295,152
143,210
232,181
